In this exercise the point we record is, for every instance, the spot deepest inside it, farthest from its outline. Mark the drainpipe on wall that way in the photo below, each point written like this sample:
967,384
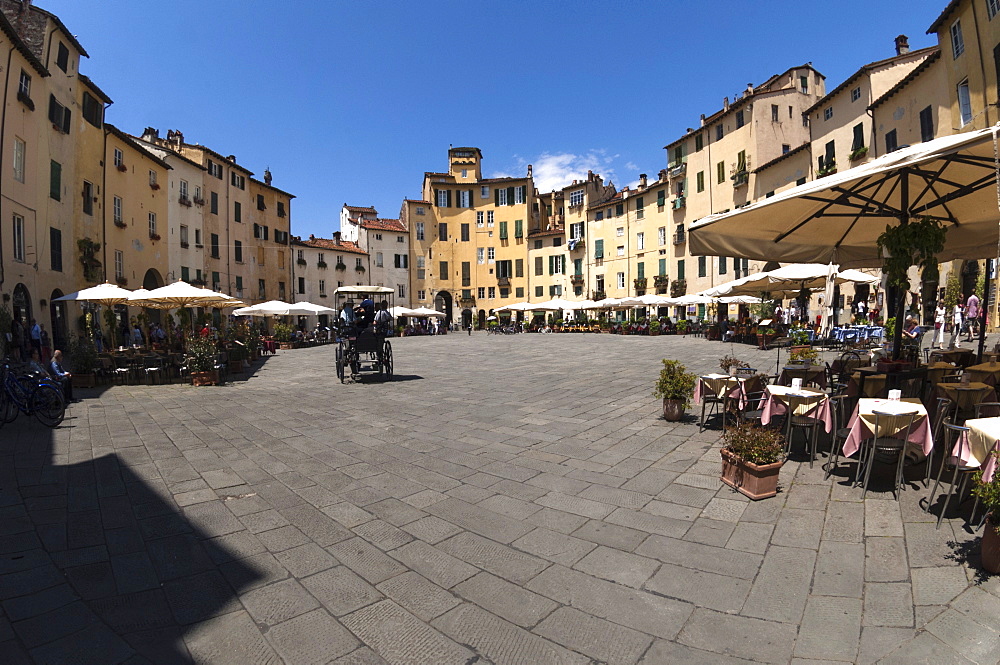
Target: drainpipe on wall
3,127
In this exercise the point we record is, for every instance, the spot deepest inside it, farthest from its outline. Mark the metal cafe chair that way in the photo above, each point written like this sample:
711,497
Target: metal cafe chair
888,447
955,433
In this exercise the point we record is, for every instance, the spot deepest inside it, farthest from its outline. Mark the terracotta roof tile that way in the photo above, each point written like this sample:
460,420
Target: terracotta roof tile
384,225
370,209
328,243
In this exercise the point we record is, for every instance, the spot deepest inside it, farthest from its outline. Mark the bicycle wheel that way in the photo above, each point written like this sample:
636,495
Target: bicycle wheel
340,361
8,407
387,360
48,406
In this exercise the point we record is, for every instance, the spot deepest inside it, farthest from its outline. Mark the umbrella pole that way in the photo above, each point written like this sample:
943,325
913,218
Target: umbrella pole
904,218
984,307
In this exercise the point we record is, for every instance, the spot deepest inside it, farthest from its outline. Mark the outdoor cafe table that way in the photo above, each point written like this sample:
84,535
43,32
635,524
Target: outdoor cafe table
961,357
937,371
987,373
802,402
808,374
720,385
270,346
874,384
862,423
966,396
982,439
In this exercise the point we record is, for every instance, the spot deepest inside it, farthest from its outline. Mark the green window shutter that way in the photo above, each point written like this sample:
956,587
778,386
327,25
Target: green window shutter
449,198
510,196
215,278
641,271
661,197
552,265
55,180
599,249
565,260
577,266
503,230
436,199
680,269
518,228
519,268
185,274
496,196
662,267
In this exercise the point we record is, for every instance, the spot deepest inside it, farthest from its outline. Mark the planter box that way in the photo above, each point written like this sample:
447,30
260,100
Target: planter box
285,346
990,547
205,378
236,366
84,380
756,482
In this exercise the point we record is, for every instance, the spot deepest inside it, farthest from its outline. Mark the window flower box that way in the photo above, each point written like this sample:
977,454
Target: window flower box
154,236
121,280
120,223
154,186
301,262
122,168
321,264
184,201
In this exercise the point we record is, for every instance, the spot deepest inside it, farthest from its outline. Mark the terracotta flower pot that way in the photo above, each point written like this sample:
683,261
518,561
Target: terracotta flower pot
673,409
756,482
205,378
990,547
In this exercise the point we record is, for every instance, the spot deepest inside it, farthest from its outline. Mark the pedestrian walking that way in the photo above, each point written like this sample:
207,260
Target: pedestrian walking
939,324
956,325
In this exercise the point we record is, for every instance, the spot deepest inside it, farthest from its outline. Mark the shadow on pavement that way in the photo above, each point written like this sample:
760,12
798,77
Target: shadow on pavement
97,562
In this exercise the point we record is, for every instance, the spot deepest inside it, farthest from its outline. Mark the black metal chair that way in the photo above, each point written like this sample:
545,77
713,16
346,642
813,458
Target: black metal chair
955,434
888,448
841,407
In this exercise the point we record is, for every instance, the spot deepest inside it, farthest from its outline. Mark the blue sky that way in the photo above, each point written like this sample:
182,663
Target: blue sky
353,101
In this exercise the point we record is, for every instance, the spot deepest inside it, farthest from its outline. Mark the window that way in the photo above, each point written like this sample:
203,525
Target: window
443,270
680,269
827,113
182,189
491,254
214,204
890,141
19,150
152,179
237,211
576,198
804,84
640,241
214,169
197,243
699,180
661,236
661,268
184,236
539,265
964,102
576,231
504,268
463,198
557,264
501,196
557,241
239,286
401,290
55,180
378,259
519,268
480,255
322,287
518,228
785,148
856,94
238,251
261,290
119,158
442,232
119,264
519,194
260,202
402,261
302,284
420,230
774,113
702,266
599,216
720,172
640,270
719,132
739,119
281,208
489,219
599,249
722,265
215,245
484,192
88,198
152,224
116,205
24,85
421,294
992,7
927,122
661,198
359,262
59,115
620,251
481,292
503,230
859,137
699,142
620,231
236,180
467,273
621,280
62,57
93,110
480,216
957,42
619,209
465,232
492,292
18,238
442,198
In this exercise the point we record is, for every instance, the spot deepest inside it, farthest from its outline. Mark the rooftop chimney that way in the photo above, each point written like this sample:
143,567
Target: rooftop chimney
150,134
642,181
529,170
312,237
267,176
702,119
662,174
336,237
232,158
725,103
902,45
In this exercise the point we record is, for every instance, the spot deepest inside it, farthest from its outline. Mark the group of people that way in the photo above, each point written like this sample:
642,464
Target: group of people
965,318
355,319
22,340
55,370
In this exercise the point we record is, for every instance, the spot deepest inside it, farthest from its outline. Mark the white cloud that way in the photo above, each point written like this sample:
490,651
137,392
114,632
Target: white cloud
557,170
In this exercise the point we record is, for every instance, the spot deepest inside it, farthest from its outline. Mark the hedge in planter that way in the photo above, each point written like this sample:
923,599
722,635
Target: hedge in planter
200,358
752,456
675,387
989,496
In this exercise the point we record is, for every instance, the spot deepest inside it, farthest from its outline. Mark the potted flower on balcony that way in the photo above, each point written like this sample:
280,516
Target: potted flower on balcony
989,495
675,387
752,456
200,355
341,265
301,262
154,236
858,153
122,168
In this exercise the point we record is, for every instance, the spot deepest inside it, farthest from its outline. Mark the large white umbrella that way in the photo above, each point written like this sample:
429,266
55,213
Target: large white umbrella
554,305
269,308
584,304
106,294
740,300
182,294
312,309
654,300
516,307
619,303
692,299
422,312
400,311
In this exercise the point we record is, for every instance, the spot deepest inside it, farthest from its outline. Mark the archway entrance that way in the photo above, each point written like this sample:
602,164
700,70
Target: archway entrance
970,276
153,280
21,305
481,319
58,325
466,318
442,303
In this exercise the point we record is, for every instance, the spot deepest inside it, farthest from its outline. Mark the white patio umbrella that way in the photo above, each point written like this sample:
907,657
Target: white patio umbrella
692,299
400,311
740,300
180,294
554,305
106,294
584,304
654,300
313,309
422,312
269,308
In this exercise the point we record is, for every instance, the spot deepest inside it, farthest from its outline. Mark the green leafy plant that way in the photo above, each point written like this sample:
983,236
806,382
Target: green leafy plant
83,354
858,153
728,362
800,336
988,493
764,309
675,383
682,326
654,326
804,354
283,332
200,353
753,443
914,244
890,328
952,290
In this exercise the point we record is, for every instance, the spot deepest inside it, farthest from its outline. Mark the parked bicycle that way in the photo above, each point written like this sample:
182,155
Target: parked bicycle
31,395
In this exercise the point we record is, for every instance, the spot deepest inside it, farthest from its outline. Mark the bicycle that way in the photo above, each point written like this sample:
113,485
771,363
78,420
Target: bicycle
40,397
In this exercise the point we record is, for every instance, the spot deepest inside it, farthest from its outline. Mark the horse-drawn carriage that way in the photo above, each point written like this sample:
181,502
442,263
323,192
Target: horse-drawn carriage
362,345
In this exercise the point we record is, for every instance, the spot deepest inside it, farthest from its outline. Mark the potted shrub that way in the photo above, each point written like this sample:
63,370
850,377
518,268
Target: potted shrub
83,361
804,354
682,327
654,328
764,337
200,359
675,387
728,362
989,496
751,459
283,335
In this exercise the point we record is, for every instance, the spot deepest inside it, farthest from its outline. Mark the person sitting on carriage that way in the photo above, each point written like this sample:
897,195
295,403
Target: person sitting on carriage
364,315
383,319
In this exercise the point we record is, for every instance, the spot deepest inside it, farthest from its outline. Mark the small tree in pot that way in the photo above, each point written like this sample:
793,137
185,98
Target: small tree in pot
989,495
83,361
675,387
200,359
751,459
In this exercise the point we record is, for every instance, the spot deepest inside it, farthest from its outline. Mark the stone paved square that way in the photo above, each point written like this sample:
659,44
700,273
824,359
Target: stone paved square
511,499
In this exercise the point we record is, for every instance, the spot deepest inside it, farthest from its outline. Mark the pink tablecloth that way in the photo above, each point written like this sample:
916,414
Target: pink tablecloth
920,433
978,448
701,389
270,346
776,404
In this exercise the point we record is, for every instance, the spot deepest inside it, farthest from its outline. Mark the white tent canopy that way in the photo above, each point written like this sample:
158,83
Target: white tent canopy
361,289
516,307
422,312
314,309
740,300
692,299
269,308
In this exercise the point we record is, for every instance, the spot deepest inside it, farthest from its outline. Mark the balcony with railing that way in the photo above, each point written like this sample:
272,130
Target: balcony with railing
640,283
677,170
678,202
503,281
679,237
576,280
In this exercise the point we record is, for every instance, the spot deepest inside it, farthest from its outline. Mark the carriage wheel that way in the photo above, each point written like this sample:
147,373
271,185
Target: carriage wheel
340,361
387,359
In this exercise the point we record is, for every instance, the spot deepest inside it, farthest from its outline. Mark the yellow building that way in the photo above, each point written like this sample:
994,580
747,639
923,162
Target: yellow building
472,240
